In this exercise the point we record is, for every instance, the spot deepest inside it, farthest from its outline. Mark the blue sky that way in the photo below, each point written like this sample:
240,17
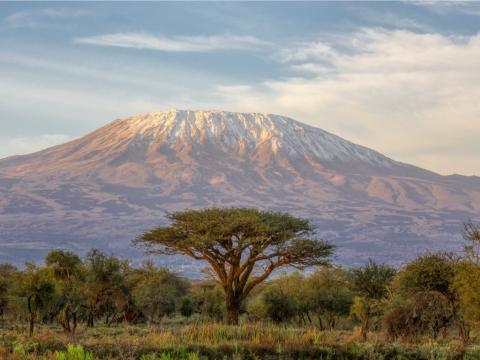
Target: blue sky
400,77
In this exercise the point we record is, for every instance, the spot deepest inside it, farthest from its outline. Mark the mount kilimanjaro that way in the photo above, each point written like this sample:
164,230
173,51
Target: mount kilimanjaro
107,187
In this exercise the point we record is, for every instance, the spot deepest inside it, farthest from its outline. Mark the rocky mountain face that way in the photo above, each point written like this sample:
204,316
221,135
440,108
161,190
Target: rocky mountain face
107,187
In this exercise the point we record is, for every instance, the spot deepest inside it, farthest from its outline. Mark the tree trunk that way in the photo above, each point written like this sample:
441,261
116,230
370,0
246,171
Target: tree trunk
309,318
301,320
233,311
444,331
233,308
65,320
364,328
232,316
462,326
31,320
74,327
463,331
90,320
320,322
31,325
331,322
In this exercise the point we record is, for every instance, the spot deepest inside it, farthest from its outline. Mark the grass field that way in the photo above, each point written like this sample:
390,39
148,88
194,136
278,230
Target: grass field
216,341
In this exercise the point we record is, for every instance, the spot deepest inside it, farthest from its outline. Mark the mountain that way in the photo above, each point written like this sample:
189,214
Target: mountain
105,188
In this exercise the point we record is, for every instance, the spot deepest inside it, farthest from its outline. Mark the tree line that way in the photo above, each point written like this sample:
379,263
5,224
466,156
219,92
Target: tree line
433,294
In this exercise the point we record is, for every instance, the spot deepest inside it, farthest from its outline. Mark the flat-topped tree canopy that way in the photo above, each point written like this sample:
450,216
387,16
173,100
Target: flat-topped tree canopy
243,246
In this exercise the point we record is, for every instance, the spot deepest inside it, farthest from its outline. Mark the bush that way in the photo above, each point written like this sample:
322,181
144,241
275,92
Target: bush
256,309
427,313
278,305
172,355
186,307
74,353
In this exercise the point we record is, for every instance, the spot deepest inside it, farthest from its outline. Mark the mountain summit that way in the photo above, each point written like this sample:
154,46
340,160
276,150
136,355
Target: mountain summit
102,189
262,138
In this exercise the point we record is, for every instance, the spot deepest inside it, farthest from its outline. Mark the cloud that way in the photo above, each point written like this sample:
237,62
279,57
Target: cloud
39,18
55,92
174,43
234,88
447,7
390,20
25,145
411,96
307,51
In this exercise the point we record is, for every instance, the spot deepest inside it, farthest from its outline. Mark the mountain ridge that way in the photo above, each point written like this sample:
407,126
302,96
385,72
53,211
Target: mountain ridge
332,147
119,179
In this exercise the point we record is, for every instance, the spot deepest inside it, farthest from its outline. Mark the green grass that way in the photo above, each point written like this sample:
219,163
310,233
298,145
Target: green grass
74,352
217,341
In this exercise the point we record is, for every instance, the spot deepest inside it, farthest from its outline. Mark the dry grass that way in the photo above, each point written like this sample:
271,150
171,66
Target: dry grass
248,341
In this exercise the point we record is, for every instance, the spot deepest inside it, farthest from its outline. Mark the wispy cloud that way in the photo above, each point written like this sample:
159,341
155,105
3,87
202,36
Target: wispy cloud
38,18
77,97
307,51
391,20
394,90
447,7
175,43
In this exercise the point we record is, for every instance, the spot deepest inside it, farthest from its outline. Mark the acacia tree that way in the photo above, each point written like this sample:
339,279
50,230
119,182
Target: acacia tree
436,272
155,290
37,287
466,281
104,285
242,246
69,274
328,295
471,234
7,273
370,282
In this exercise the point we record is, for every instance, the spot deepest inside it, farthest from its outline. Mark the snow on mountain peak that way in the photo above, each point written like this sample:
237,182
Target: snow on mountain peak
234,130
197,143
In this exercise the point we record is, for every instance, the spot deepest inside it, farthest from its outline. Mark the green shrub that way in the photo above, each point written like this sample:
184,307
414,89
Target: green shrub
22,348
186,307
74,353
176,355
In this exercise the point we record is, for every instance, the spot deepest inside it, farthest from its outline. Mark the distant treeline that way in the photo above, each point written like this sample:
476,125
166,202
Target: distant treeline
435,294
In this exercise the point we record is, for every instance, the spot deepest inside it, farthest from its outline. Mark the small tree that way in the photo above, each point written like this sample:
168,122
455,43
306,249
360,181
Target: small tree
279,306
328,295
435,272
294,288
68,272
213,304
430,272
242,246
370,282
186,306
37,287
471,234
156,291
7,273
466,282
426,312
105,291
208,299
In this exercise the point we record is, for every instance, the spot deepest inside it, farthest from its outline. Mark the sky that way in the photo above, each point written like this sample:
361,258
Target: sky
402,78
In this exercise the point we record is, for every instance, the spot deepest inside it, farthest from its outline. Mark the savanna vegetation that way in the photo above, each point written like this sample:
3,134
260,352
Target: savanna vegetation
270,291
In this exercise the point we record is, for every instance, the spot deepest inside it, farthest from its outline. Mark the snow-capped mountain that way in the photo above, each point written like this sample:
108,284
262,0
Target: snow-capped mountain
104,188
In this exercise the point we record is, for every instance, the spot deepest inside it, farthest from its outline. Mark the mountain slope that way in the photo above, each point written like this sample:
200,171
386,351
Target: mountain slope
262,137
106,187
